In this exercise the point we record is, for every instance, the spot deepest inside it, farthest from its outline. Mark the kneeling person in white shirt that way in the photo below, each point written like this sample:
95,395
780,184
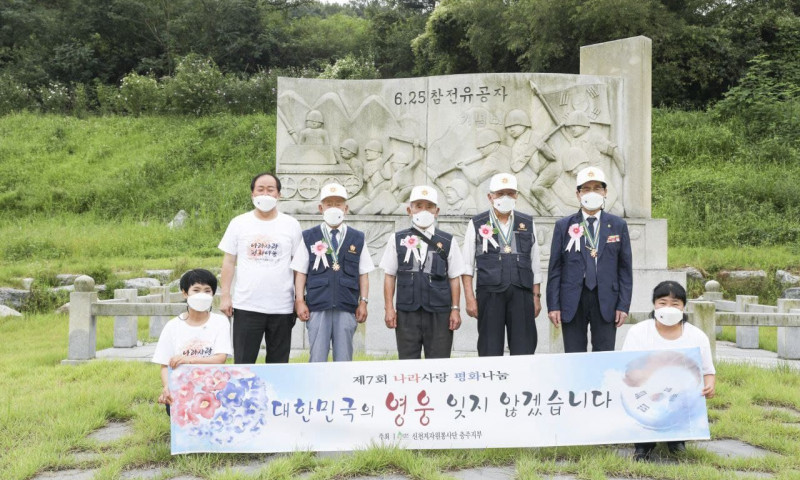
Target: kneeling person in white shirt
195,337
666,330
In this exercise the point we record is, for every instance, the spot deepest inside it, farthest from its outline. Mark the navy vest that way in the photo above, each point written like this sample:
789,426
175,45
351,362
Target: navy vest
326,288
497,269
425,285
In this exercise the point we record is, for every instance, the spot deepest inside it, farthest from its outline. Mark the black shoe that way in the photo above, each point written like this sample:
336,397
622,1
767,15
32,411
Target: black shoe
641,454
676,448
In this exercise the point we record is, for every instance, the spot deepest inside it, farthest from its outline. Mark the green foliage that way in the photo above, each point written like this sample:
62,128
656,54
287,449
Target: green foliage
767,99
314,40
195,87
352,68
55,98
720,187
42,299
700,47
141,94
119,168
256,94
14,96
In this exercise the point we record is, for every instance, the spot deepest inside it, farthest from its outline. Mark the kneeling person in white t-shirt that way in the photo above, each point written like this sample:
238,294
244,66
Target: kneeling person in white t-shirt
197,336
666,330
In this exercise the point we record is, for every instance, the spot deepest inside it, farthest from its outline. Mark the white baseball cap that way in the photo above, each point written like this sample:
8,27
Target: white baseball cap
332,190
424,192
589,174
503,181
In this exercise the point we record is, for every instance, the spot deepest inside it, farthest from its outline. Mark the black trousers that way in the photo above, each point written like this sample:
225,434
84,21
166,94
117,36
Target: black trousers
420,330
508,311
604,334
250,327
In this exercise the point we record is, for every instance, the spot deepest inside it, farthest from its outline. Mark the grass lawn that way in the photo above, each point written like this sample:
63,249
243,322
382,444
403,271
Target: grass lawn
47,411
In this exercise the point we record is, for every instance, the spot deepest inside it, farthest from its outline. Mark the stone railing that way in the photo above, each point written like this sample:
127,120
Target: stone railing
747,315
709,313
126,306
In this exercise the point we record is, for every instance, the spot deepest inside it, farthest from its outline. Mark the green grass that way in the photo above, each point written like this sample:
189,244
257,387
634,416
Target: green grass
47,411
767,337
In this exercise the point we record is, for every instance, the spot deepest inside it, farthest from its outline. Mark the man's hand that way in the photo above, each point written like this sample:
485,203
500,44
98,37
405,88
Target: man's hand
226,304
177,360
455,320
620,318
391,317
537,305
301,307
472,307
555,317
361,312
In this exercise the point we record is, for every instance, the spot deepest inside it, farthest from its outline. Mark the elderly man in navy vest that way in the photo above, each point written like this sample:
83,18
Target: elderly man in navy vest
331,266
424,264
502,256
590,277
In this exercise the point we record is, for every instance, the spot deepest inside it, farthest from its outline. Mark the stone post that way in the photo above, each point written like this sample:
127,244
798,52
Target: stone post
629,58
713,292
126,328
788,337
157,322
703,316
746,337
82,324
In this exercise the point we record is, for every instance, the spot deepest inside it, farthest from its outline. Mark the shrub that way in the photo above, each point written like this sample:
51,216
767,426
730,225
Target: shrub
43,300
195,89
14,96
256,94
80,102
55,97
108,98
140,94
351,67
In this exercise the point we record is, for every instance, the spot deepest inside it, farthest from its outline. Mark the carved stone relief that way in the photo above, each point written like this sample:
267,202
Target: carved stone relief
379,138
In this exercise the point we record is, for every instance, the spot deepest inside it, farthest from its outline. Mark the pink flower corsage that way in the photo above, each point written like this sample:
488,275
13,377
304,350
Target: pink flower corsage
320,249
411,242
575,231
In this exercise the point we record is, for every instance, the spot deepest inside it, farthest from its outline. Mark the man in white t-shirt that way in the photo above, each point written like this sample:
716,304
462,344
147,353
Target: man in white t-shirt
258,247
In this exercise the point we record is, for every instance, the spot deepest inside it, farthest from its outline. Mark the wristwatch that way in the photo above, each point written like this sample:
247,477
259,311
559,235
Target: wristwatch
455,307
363,299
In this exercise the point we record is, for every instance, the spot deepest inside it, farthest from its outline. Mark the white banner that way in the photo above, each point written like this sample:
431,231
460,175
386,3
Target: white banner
490,402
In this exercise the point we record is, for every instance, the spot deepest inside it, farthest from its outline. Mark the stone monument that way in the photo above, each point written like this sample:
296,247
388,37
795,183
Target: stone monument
379,138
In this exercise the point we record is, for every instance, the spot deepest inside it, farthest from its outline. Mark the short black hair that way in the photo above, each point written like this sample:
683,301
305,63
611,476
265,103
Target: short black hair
669,288
255,179
201,276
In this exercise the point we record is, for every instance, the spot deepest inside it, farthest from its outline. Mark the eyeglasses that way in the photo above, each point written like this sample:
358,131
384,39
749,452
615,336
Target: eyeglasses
597,189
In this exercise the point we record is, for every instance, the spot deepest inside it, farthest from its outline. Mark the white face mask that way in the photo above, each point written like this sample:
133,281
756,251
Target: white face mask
504,204
668,316
200,302
333,216
423,219
593,201
265,203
